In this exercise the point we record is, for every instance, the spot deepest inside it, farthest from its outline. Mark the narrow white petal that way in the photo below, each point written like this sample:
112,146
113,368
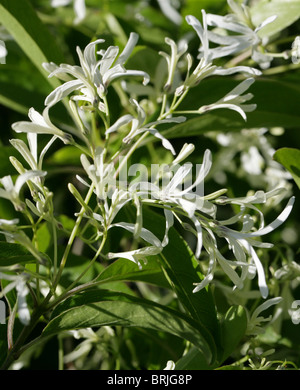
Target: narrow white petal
278,221
60,3
169,11
262,284
237,69
32,141
185,151
9,222
145,234
199,237
22,179
166,143
217,106
204,170
62,91
169,223
80,10
24,151
178,178
269,20
131,43
222,22
265,306
124,120
108,58
234,277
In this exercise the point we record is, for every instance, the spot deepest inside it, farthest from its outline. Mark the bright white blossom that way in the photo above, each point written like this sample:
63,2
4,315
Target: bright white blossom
41,124
234,100
170,11
93,76
177,51
79,8
205,67
170,365
254,320
11,190
242,34
250,154
241,242
3,52
19,283
296,51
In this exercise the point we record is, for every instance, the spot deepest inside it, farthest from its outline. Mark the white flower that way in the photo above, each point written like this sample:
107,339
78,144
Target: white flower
169,11
252,161
177,193
8,224
170,365
12,191
40,124
93,76
30,154
136,255
138,126
250,153
244,241
79,8
234,100
296,51
246,36
3,52
294,312
100,174
205,67
172,60
19,283
254,321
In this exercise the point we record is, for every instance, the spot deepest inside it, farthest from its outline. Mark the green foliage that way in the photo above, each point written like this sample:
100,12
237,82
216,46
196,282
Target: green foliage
132,312
290,159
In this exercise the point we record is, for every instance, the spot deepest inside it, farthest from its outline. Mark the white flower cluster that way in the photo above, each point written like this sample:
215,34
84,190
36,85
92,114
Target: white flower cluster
87,85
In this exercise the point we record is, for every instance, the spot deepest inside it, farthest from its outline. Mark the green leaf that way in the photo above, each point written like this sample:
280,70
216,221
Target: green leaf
22,22
193,360
125,270
3,342
11,254
18,95
233,327
290,159
76,266
94,308
182,270
287,11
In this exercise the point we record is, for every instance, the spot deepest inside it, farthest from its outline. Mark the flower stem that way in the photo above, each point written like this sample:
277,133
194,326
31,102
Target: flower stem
72,238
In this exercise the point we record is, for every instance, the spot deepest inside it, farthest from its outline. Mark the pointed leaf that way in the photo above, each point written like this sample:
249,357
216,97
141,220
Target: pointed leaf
22,22
290,159
11,254
95,308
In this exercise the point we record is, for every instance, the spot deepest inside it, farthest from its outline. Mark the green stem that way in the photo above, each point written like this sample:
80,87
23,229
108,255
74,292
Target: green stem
67,291
60,353
72,238
14,353
130,152
54,235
